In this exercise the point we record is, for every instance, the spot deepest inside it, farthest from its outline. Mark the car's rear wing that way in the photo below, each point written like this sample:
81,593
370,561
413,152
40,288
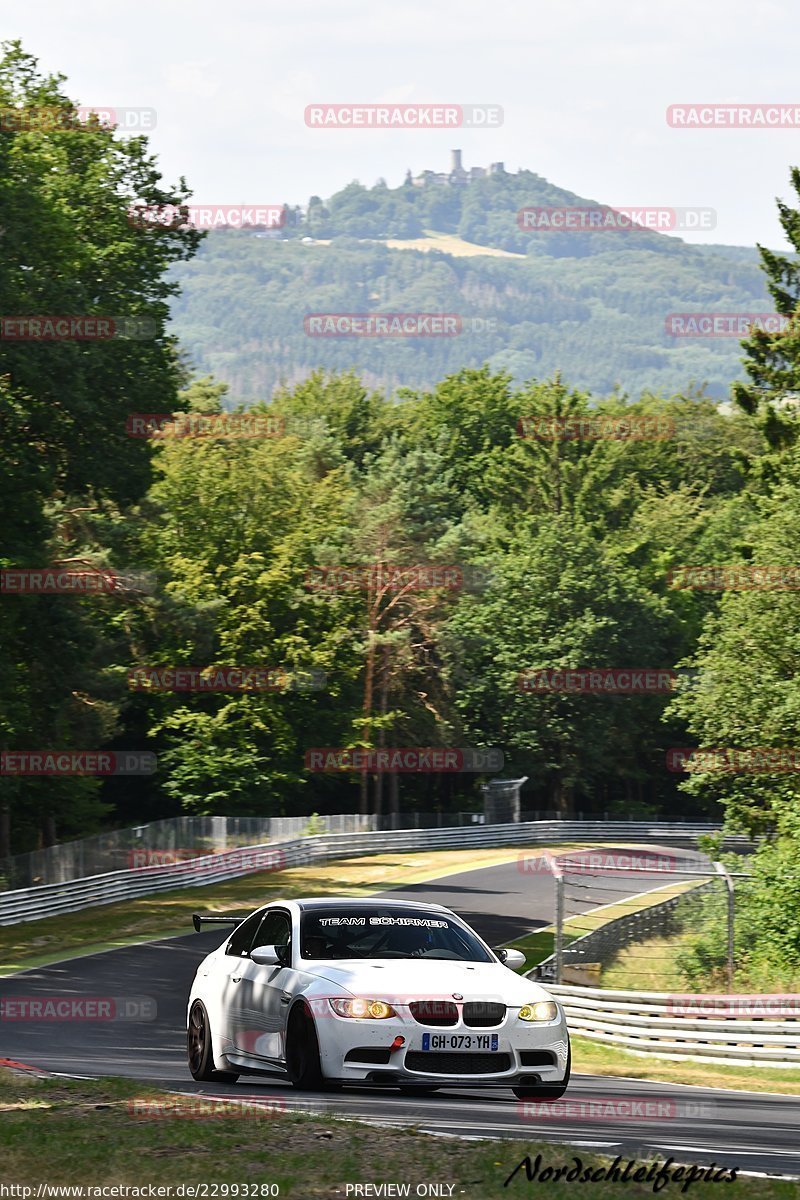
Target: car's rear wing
200,919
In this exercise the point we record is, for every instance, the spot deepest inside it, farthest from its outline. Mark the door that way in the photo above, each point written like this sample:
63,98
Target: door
237,956
262,997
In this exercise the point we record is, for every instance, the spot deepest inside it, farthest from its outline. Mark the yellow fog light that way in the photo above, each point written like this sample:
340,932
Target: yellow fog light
542,1010
361,1009
380,1011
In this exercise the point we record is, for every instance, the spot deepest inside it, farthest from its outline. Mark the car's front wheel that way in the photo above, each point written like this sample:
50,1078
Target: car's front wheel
302,1051
546,1091
200,1051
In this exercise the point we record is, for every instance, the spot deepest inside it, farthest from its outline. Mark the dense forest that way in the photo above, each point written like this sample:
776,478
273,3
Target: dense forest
593,305
570,548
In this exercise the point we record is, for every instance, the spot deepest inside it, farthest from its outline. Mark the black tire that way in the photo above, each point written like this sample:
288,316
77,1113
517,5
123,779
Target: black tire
546,1091
302,1052
199,1050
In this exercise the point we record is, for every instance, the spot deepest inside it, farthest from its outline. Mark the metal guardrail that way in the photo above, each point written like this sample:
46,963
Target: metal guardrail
170,840
174,838
38,902
647,1024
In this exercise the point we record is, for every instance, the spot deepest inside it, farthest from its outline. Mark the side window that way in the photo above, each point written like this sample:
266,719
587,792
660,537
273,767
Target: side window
242,936
276,930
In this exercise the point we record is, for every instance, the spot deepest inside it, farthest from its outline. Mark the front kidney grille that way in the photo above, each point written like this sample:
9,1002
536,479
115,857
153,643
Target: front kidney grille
479,1014
434,1012
457,1064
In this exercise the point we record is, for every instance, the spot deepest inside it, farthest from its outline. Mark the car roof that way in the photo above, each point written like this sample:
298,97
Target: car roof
312,902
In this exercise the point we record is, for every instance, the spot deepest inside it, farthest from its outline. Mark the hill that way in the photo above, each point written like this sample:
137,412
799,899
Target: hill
592,304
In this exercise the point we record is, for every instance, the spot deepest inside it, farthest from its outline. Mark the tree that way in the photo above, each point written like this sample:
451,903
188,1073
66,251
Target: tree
403,514
559,602
232,526
773,359
746,693
67,465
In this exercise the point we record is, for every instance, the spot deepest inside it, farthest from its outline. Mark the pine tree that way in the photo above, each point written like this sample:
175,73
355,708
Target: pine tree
773,359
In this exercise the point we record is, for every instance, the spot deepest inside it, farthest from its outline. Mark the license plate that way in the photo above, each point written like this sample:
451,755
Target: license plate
460,1041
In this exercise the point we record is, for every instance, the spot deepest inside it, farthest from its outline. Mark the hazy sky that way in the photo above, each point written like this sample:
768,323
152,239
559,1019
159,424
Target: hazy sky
584,85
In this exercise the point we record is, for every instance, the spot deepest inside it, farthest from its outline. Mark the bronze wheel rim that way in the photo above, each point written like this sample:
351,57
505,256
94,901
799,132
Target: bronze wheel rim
297,1050
197,1037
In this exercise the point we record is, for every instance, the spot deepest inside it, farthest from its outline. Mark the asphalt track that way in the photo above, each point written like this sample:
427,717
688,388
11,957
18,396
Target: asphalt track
751,1131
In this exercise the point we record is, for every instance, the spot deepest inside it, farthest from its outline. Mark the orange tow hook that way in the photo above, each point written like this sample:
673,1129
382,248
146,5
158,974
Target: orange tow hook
397,1043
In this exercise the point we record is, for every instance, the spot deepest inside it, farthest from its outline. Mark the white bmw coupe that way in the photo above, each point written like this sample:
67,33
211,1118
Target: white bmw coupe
372,992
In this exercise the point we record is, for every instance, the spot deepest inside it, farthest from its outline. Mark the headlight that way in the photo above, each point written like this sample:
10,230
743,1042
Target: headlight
543,1010
369,1010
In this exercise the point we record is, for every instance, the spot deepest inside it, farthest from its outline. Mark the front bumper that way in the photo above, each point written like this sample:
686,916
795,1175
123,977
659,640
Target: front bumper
360,1051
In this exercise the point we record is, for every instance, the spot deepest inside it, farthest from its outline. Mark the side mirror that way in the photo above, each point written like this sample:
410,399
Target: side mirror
265,956
514,959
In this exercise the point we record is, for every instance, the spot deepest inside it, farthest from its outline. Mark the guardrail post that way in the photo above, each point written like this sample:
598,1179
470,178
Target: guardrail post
721,870
559,925
558,876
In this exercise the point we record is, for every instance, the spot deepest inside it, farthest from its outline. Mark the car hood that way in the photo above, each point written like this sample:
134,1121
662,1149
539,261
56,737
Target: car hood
405,979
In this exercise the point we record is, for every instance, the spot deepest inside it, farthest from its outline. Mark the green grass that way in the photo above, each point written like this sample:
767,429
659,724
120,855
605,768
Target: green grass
535,946
650,966
653,966
602,1058
541,944
589,921
91,1133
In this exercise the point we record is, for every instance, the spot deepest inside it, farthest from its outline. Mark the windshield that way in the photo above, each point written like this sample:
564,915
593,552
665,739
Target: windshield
383,932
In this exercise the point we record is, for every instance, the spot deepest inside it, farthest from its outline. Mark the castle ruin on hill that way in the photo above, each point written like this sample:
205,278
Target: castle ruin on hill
457,173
